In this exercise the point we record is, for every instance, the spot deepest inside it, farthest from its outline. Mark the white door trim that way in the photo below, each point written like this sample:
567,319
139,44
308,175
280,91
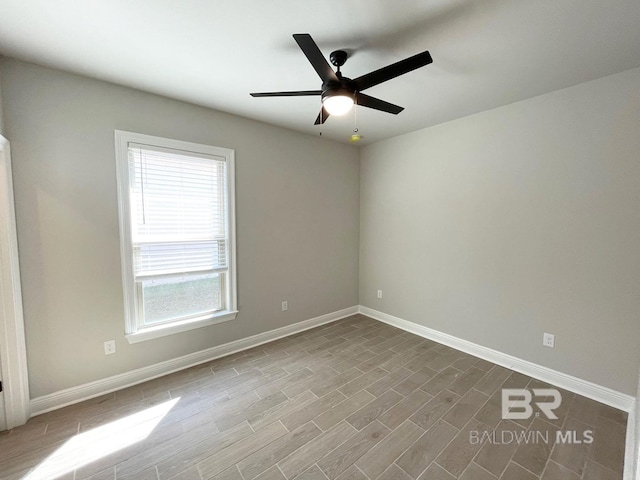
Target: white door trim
3,420
13,353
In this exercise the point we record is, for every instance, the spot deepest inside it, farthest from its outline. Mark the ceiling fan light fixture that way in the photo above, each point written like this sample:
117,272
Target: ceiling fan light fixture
337,103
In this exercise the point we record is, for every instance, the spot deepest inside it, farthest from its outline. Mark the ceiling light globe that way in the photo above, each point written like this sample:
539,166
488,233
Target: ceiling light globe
337,104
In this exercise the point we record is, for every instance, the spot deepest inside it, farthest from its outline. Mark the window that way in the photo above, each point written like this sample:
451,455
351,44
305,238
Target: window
177,234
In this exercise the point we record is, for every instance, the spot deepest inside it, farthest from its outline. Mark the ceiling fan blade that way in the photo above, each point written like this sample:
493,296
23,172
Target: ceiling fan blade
394,70
314,55
377,104
322,117
301,93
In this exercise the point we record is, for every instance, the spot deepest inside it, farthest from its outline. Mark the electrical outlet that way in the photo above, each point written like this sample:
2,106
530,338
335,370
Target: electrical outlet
379,293
548,340
285,306
109,347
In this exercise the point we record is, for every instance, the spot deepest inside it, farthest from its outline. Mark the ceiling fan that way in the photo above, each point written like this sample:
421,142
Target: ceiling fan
339,93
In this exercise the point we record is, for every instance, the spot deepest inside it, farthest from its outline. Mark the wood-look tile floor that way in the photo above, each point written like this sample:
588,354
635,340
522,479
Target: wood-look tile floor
352,400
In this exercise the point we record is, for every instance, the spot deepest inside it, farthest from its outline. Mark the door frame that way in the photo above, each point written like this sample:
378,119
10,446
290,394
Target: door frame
3,420
13,351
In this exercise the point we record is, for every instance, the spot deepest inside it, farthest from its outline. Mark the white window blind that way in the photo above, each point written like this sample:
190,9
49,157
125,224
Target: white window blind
177,234
177,212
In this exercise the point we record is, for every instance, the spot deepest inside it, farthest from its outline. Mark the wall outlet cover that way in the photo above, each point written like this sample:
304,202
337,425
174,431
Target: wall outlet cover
109,347
548,340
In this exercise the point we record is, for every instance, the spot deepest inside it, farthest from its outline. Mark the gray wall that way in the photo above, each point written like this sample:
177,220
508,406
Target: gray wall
521,220
297,221
493,228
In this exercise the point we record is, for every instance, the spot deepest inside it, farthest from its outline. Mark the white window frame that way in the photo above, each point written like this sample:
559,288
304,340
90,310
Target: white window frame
135,331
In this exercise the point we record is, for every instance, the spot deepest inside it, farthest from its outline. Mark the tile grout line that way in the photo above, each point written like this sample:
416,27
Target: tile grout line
481,467
360,470
235,465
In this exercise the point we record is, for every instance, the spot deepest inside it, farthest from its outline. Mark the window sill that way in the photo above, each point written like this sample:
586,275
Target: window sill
150,333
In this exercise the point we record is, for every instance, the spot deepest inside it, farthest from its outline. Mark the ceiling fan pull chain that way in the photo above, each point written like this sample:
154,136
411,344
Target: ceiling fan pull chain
356,137
355,113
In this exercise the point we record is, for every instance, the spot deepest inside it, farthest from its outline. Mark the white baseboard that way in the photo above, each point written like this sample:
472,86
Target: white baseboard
583,387
86,391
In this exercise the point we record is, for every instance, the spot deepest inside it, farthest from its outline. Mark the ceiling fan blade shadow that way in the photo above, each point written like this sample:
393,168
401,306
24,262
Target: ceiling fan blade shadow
301,93
322,117
315,57
420,28
377,104
392,71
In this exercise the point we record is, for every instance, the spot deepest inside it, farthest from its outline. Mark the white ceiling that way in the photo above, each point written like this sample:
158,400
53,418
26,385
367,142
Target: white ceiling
486,53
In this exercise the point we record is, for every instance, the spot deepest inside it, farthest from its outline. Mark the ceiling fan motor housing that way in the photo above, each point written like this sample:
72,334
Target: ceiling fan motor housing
345,87
338,58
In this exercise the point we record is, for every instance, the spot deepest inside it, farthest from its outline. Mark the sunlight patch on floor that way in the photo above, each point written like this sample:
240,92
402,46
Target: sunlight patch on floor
89,446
